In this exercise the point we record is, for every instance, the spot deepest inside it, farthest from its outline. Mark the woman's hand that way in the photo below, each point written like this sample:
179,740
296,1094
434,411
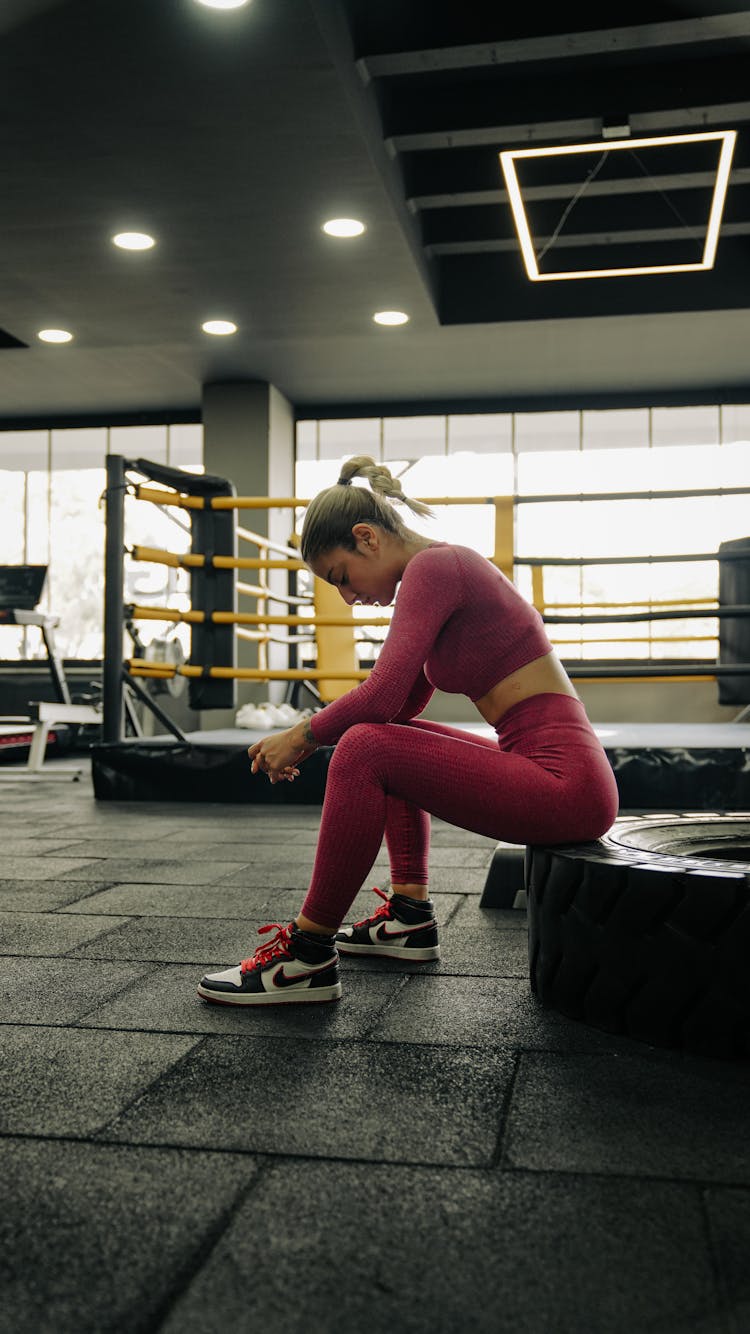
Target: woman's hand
278,755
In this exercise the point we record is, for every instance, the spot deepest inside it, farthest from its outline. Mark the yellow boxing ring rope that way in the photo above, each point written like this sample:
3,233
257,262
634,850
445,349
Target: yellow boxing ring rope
502,556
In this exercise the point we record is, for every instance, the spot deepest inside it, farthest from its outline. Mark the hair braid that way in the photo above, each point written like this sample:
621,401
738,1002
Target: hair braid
332,514
381,481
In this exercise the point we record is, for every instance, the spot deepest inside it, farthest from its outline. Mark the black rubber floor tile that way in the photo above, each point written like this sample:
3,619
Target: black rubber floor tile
479,1011
97,1239
451,835
59,991
48,801
167,1001
51,933
235,850
448,856
729,1223
278,866
30,844
328,1099
178,940
487,947
191,820
276,897
491,1254
261,835
47,896
67,1081
473,917
142,820
155,900
50,868
625,1113
144,870
458,879
24,816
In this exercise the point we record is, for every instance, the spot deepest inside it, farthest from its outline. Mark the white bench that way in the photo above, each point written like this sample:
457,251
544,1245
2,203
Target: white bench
43,717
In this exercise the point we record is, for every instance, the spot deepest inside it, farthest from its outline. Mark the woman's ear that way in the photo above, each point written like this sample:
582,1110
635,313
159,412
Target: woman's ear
366,535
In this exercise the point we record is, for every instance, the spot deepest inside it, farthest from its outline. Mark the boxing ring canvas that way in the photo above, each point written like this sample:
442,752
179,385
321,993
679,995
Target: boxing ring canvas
658,766
205,767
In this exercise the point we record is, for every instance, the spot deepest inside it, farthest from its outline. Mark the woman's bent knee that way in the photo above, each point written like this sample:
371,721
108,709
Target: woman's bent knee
356,743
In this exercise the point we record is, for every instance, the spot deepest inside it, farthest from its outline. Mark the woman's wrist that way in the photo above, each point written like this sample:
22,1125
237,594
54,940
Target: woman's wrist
304,731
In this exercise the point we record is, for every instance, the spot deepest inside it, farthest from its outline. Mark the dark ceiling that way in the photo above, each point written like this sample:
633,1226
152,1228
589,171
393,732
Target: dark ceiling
232,135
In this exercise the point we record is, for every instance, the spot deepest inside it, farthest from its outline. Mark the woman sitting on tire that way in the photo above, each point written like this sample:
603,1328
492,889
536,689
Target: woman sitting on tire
461,626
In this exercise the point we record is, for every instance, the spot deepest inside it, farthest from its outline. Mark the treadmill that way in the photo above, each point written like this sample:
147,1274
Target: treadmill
21,588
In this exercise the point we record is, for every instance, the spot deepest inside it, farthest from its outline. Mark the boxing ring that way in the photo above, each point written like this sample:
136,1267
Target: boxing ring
657,766
643,932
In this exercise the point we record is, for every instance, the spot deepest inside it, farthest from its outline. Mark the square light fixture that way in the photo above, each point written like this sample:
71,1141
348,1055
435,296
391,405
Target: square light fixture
509,158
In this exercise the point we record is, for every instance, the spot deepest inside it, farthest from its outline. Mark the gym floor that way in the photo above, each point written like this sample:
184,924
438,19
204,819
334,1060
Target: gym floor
432,1153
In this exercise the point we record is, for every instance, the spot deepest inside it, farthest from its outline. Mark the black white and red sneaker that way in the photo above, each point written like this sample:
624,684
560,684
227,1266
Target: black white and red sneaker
401,928
293,966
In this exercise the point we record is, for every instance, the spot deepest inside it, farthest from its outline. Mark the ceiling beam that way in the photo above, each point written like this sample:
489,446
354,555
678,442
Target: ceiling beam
615,91
695,180
581,240
618,213
559,46
494,288
464,171
679,119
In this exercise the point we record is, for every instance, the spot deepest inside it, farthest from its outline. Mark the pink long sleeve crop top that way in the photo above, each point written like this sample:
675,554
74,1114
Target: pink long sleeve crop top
458,625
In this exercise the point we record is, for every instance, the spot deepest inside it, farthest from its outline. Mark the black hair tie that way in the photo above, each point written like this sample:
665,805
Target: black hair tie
344,481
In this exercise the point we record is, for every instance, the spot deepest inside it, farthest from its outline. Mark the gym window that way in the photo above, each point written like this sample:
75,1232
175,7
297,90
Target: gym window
50,486
565,457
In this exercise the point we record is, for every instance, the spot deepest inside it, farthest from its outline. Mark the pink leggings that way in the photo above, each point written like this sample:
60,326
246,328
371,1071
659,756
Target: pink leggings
544,779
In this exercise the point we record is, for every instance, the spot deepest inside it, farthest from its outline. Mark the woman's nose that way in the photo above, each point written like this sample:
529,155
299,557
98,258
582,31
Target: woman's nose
349,597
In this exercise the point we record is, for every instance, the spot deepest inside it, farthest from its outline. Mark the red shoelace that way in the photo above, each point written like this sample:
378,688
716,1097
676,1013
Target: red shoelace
383,911
272,950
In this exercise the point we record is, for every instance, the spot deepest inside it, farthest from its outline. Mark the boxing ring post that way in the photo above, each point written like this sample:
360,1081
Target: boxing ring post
114,599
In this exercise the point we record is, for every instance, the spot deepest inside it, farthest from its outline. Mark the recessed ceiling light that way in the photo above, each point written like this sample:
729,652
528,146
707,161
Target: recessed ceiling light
219,327
343,227
133,241
391,317
55,335
223,4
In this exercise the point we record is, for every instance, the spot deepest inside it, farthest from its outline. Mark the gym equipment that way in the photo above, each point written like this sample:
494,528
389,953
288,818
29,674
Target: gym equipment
21,588
505,886
646,931
45,716
734,635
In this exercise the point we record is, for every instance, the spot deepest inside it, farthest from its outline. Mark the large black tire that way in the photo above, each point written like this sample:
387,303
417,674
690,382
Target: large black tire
646,931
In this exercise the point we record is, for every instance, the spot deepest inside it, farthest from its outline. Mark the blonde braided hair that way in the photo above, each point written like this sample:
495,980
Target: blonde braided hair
332,514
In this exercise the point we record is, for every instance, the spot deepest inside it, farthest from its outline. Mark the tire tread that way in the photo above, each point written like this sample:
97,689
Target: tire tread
642,944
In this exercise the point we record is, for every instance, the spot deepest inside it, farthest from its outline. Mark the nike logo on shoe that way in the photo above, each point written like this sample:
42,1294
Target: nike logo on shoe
389,930
278,977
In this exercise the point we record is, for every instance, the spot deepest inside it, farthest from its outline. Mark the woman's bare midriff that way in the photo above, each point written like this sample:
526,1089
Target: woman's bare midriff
543,676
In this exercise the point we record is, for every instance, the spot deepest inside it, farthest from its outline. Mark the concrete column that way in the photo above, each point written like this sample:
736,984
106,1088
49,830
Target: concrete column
248,436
